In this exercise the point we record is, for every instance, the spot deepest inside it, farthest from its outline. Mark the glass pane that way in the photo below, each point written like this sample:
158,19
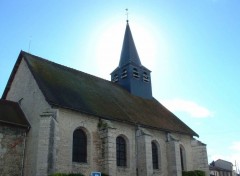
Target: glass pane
79,146
121,151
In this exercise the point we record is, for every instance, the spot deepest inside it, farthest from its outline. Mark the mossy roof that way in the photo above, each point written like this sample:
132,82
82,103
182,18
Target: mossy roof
11,113
72,89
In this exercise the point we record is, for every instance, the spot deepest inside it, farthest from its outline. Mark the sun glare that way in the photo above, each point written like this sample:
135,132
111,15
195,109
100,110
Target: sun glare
109,45
145,43
108,49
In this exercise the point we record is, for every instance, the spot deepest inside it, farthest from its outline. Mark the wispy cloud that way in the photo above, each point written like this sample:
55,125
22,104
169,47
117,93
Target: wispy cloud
190,107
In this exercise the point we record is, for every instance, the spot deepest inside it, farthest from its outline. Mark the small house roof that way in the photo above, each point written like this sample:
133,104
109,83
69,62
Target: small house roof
11,113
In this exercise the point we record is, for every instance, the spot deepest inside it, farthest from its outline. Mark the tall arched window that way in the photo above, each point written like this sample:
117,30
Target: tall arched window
154,156
121,151
183,157
79,152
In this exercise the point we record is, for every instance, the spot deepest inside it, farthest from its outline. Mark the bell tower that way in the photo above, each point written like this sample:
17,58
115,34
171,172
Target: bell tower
130,73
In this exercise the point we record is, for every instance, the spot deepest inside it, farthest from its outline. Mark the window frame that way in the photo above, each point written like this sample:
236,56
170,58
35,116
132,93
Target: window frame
79,146
121,152
155,155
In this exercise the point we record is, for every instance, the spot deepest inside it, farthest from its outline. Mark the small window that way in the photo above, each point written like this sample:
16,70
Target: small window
121,151
124,73
115,78
154,156
135,73
145,77
79,153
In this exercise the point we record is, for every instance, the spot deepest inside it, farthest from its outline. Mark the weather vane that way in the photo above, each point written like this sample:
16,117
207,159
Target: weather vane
127,14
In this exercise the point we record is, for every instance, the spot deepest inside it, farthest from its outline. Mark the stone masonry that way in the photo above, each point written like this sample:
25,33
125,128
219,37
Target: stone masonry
200,158
12,148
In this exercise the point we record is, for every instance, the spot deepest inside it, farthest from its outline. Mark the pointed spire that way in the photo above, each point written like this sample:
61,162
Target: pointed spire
131,74
129,52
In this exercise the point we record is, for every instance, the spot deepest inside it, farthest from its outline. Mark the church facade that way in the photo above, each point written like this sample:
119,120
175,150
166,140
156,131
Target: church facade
80,123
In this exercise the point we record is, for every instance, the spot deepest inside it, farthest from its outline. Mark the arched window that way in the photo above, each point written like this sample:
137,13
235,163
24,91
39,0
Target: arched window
183,157
79,153
121,151
154,156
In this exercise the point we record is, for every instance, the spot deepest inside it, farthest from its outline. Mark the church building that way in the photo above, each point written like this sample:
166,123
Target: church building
74,122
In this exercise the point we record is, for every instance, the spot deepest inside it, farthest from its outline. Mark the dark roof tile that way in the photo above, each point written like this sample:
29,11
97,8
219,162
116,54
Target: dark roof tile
11,113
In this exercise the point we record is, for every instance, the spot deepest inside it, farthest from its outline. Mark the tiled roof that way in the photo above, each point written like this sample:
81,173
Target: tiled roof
72,89
11,113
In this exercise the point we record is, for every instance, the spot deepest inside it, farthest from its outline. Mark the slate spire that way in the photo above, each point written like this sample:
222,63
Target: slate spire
129,52
130,73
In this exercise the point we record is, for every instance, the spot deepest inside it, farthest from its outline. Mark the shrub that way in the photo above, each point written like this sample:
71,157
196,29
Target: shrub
189,173
193,173
63,174
200,173
58,174
102,174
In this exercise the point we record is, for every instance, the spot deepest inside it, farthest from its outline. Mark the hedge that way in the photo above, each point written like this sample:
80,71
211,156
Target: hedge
63,174
184,173
71,174
193,173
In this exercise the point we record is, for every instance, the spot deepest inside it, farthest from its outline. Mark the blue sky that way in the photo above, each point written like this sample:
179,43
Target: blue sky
192,48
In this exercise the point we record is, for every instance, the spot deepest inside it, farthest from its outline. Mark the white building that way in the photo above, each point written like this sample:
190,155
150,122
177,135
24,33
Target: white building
221,168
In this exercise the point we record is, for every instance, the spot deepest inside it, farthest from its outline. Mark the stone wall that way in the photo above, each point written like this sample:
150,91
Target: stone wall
25,90
101,144
101,154
144,152
12,147
46,153
200,159
68,121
